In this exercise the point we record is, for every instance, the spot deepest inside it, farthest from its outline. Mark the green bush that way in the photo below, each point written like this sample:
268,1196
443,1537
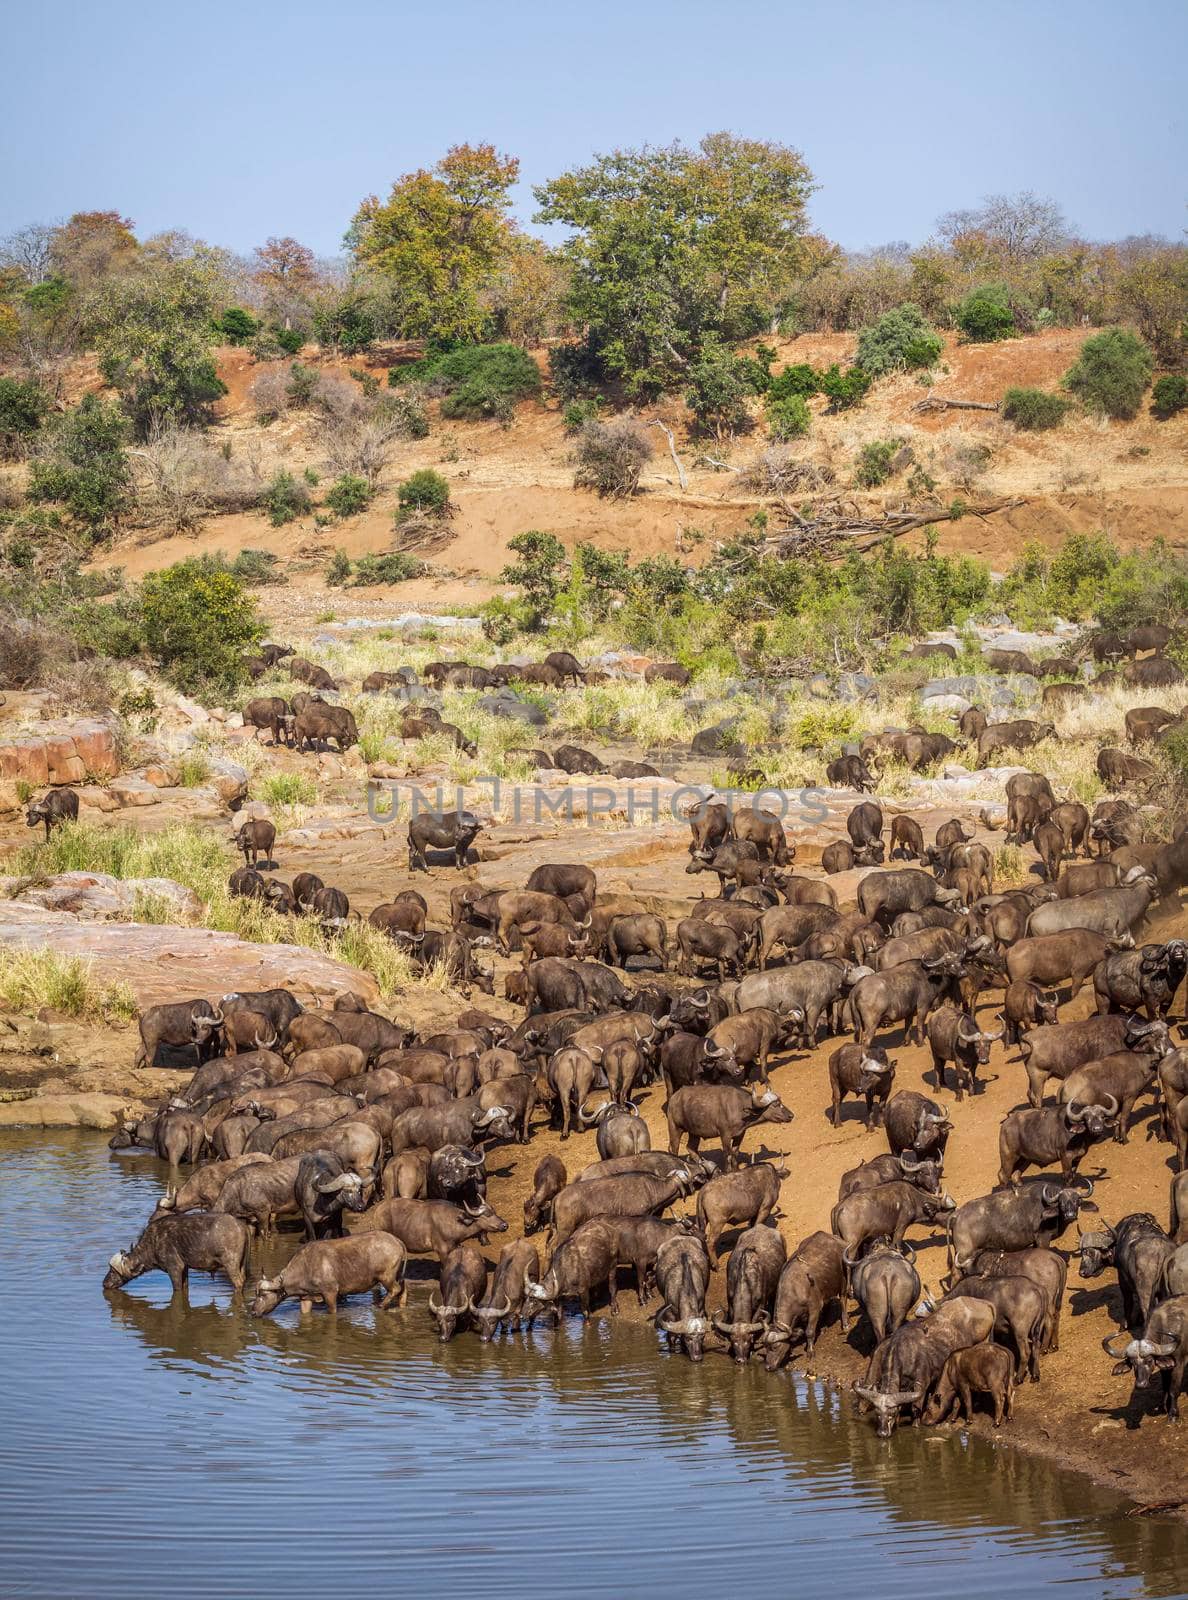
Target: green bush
290,340
1089,577
346,325
1112,373
23,408
985,314
578,412
1034,410
199,623
874,464
237,325
476,381
86,470
788,416
349,495
425,493
900,341
396,567
286,499
844,390
800,379
540,570
1169,396
302,385
720,386
257,568
574,370
339,569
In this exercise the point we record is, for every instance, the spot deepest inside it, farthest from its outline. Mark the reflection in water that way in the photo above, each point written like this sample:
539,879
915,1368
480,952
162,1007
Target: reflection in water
150,1444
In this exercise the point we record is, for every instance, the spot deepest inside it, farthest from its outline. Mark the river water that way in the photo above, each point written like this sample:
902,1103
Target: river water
148,1447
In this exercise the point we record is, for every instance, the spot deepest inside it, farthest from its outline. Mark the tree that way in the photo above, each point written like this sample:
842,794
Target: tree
1156,290
199,623
154,343
29,252
1111,374
527,296
719,392
91,246
1006,228
440,240
672,246
23,408
900,341
286,274
86,467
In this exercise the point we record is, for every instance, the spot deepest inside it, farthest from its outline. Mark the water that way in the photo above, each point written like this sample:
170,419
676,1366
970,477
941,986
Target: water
147,1447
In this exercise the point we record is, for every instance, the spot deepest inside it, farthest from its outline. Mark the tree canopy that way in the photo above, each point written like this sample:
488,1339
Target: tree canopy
440,240
673,245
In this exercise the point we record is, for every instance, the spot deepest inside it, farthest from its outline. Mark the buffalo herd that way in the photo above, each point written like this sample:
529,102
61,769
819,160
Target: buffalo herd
305,1114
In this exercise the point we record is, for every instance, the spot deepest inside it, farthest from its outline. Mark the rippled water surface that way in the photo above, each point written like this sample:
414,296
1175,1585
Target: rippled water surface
153,1448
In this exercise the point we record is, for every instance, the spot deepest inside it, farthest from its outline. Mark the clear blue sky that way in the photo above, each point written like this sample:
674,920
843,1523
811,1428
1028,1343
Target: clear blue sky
240,121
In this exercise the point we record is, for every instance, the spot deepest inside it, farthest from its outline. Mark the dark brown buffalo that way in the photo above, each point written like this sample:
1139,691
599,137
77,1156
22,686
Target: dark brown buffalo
981,1369
201,1241
906,1365
914,1123
1035,1213
256,839
923,1171
954,1037
450,830
812,1277
53,809
1045,1136
1025,1006
183,1024
752,1275
859,1070
584,1263
316,725
1053,958
633,1194
270,714
885,1284
1055,1052
750,1195
435,1227
506,1300
682,1273
719,1111
331,1268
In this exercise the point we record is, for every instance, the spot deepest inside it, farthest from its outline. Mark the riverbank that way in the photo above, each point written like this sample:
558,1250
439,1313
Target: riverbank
56,1073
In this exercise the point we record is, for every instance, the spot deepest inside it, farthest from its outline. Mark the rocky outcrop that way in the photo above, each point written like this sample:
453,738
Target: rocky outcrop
98,897
69,753
161,963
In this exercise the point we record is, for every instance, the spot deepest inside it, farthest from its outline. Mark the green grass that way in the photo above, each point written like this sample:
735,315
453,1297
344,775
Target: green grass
285,789
30,979
193,770
201,861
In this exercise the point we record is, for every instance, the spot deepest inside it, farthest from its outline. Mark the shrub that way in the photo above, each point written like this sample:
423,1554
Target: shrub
290,340
426,493
788,416
257,568
1034,410
800,379
86,468
237,325
719,388
575,370
184,474
985,314
199,623
1112,373
611,457
345,325
30,979
844,390
23,408
900,341
302,384
876,462
481,380
578,412
339,569
1169,396
286,499
540,568
395,567
349,495
286,789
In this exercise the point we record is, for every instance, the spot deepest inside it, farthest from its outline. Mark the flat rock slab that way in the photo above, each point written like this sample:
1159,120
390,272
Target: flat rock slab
163,963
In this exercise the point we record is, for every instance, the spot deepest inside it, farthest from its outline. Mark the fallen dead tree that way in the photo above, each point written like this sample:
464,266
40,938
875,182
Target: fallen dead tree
839,527
937,402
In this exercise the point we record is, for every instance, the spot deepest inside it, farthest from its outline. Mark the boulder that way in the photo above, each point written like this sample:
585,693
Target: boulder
229,781
718,739
129,791
949,702
855,686
68,753
98,897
